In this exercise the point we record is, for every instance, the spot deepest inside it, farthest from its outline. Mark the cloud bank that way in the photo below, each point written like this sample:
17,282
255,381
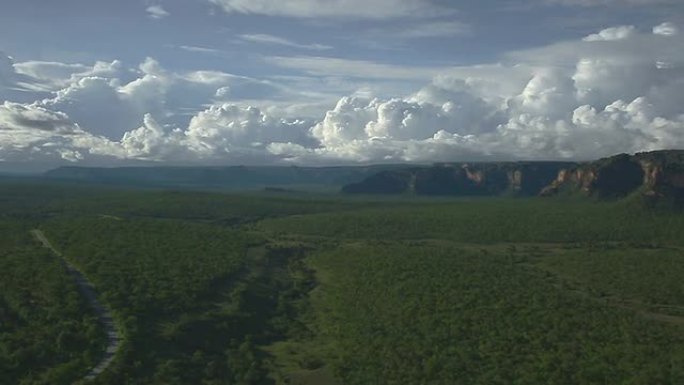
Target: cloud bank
618,90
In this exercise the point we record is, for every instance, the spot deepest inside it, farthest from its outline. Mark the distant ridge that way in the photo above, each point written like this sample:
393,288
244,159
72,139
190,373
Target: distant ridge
463,179
654,176
233,177
657,175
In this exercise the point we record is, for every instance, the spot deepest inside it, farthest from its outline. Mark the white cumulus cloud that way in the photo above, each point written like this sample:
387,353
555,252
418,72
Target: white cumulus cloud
570,100
613,33
157,12
227,128
666,29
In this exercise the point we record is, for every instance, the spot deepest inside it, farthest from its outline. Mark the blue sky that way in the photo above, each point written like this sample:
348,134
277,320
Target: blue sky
336,81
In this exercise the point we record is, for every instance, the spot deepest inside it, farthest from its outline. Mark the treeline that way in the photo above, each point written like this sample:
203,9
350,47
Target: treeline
48,334
493,221
40,200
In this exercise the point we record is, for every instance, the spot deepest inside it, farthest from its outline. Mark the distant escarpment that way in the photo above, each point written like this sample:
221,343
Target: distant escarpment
657,175
463,179
654,176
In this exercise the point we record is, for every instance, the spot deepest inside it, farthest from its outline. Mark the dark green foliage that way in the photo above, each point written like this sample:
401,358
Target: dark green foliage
493,220
40,200
648,274
437,314
48,335
295,289
194,300
156,276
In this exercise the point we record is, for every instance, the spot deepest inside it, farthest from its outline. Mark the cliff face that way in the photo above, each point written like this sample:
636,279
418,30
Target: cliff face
657,174
613,177
463,179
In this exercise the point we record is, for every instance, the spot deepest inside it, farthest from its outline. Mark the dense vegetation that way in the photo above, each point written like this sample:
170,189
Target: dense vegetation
648,276
213,288
40,201
193,299
48,335
493,221
438,314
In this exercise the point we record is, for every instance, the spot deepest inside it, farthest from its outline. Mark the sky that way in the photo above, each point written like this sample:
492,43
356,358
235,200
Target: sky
332,82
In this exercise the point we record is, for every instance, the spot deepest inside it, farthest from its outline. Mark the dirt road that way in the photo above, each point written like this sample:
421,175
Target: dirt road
103,314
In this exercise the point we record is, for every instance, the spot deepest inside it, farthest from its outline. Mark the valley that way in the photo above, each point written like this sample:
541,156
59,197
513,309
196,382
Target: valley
305,288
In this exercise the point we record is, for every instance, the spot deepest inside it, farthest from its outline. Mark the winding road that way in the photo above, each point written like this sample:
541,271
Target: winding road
103,314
